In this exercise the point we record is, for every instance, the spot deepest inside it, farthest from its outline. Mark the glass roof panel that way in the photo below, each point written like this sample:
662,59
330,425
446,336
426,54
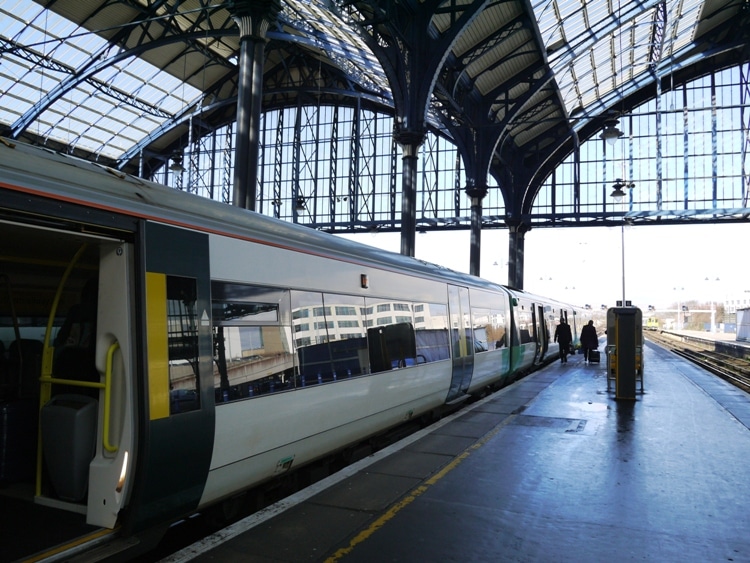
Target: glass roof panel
597,11
591,54
575,24
334,38
599,55
682,17
548,21
94,115
136,97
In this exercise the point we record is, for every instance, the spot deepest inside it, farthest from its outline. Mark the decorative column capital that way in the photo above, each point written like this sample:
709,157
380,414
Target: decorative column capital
254,17
476,192
409,139
517,226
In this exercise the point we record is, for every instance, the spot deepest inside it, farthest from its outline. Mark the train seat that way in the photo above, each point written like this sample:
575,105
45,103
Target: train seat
68,425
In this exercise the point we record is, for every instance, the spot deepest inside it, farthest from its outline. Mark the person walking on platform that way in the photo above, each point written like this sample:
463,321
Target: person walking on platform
589,340
563,337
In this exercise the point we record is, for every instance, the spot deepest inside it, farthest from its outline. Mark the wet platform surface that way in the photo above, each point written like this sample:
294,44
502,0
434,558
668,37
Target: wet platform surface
552,468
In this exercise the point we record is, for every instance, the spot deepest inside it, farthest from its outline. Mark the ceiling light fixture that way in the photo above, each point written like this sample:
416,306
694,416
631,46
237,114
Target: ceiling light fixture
618,194
176,165
611,133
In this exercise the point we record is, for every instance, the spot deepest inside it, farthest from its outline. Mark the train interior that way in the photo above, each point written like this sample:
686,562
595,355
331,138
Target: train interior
48,305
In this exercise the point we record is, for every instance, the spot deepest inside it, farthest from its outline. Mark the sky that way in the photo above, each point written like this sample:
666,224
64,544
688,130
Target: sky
664,264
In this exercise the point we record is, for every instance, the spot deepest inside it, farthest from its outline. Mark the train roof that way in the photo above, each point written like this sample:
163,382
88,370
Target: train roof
40,171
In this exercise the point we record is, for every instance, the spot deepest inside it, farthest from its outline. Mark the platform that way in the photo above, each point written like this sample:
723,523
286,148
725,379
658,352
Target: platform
551,468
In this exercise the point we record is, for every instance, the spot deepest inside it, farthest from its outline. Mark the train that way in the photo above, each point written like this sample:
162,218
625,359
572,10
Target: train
160,353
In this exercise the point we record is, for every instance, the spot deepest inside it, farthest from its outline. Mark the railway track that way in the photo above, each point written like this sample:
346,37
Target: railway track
735,370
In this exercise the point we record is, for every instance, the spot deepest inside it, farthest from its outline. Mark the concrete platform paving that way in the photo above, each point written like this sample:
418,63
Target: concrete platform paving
550,469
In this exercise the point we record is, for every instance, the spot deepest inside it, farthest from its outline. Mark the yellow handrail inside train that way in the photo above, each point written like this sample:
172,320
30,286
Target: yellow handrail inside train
107,386
108,397
47,356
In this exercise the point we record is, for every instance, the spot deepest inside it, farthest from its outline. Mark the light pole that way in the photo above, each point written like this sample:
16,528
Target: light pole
619,195
713,309
679,306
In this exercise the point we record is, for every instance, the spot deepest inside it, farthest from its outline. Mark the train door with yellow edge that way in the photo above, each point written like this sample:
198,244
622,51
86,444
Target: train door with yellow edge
177,420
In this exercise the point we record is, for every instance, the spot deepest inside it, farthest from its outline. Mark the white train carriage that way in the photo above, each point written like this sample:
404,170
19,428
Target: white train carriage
185,350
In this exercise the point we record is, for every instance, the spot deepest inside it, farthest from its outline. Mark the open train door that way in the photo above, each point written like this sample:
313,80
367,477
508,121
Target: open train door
177,419
111,469
86,436
542,334
535,334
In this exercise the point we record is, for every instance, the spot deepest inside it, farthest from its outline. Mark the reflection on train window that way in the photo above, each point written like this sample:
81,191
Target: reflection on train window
433,342
482,329
489,318
392,347
252,341
525,325
182,339
404,339
329,332
391,339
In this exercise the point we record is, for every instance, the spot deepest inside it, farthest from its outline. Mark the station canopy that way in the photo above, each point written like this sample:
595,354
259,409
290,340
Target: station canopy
111,79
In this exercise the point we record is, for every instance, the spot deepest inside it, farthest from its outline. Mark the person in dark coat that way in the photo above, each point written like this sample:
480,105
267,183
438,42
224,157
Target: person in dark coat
564,337
589,340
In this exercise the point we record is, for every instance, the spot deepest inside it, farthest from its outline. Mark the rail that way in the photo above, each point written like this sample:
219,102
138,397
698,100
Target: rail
730,368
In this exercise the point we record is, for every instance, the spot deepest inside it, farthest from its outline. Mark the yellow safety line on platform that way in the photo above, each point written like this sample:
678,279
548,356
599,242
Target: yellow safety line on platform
412,496
70,545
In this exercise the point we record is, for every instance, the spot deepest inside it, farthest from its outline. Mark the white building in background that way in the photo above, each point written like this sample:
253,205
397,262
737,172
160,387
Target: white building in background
736,301
743,325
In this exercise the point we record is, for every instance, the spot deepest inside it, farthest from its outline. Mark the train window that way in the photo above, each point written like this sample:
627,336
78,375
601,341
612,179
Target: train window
390,334
347,335
252,341
489,314
489,329
392,346
182,342
480,319
333,345
433,343
310,337
525,323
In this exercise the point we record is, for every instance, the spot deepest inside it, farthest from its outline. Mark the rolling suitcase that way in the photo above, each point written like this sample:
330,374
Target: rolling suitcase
594,356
